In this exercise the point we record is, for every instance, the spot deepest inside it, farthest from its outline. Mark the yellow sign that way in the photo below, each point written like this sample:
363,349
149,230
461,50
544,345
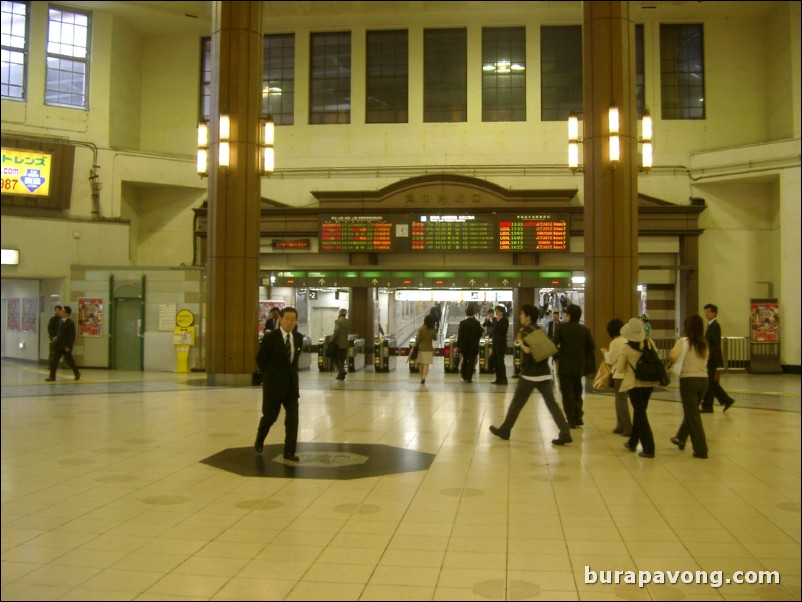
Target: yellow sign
25,172
184,318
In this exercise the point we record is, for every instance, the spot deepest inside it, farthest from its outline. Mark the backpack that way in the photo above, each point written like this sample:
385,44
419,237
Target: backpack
650,368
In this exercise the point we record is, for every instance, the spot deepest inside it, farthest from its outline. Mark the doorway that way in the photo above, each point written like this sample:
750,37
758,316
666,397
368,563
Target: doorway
127,330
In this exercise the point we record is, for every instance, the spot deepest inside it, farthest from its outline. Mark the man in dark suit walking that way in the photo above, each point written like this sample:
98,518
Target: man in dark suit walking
468,336
576,360
500,344
65,340
272,322
278,361
715,360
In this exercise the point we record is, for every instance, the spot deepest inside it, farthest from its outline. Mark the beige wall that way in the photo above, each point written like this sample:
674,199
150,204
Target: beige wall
144,107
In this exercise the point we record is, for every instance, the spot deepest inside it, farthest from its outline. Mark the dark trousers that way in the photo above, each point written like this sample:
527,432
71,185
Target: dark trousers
692,391
270,411
500,366
468,366
714,390
523,389
641,430
339,361
571,391
55,358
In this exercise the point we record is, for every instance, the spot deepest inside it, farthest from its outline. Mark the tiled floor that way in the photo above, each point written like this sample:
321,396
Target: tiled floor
105,495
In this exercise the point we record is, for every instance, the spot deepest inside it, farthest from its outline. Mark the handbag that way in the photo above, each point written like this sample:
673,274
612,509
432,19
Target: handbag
332,349
540,346
603,377
413,355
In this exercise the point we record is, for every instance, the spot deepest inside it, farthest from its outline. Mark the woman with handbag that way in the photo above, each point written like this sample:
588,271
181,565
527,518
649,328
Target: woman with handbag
639,391
623,422
424,343
534,375
689,360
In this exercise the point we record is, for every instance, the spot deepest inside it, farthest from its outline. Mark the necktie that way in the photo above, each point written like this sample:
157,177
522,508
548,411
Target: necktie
289,347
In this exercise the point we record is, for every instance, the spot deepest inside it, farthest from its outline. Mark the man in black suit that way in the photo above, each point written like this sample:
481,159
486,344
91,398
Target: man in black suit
715,360
278,361
576,346
468,336
272,322
500,344
555,322
65,340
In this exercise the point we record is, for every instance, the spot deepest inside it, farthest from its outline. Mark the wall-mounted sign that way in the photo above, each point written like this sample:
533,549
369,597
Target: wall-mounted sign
25,172
355,233
302,244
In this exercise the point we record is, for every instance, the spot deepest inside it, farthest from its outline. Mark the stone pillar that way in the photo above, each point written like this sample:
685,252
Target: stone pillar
234,194
611,194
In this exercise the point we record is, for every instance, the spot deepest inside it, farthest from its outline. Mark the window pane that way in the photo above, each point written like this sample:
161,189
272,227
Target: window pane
682,78
14,49
278,79
67,65
504,74
561,72
387,77
330,78
206,80
445,75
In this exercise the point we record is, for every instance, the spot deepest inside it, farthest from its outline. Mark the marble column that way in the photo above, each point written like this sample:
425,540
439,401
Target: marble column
611,191
234,194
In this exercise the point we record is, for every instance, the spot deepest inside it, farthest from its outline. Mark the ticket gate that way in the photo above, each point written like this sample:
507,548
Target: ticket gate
356,352
385,353
413,364
516,358
451,355
324,364
486,355
305,359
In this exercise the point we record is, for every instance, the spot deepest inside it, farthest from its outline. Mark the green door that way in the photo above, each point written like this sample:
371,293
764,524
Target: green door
126,339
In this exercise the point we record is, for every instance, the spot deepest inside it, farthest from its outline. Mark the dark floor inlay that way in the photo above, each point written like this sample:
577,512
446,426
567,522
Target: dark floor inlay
321,461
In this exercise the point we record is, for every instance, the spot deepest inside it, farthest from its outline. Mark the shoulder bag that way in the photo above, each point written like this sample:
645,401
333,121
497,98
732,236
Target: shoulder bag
540,346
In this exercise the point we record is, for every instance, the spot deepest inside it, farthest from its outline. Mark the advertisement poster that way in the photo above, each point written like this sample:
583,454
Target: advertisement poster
29,315
264,311
765,325
90,316
14,319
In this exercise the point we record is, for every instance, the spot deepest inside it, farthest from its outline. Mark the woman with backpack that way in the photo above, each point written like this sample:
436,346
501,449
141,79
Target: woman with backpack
639,390
689,360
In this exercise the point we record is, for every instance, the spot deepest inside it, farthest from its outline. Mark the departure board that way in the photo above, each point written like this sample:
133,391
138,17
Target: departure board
355,234
452,233
532,232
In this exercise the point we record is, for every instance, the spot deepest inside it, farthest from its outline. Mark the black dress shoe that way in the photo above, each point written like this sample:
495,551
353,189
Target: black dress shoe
258,447
706,411
702,456
678,443
561,440
78,377
50,380
292,457
629,447
728,404
499,433
646,455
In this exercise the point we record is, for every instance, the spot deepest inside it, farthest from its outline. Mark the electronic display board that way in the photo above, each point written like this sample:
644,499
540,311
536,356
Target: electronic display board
529,232
452,233
356,234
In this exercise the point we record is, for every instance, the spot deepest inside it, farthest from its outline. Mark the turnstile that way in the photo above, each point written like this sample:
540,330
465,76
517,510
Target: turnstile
451,355
516,358
385,353
486,355
324,364
413,364
356,352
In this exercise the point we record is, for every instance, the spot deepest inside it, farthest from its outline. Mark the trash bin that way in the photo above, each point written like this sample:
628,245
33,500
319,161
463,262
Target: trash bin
385,353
